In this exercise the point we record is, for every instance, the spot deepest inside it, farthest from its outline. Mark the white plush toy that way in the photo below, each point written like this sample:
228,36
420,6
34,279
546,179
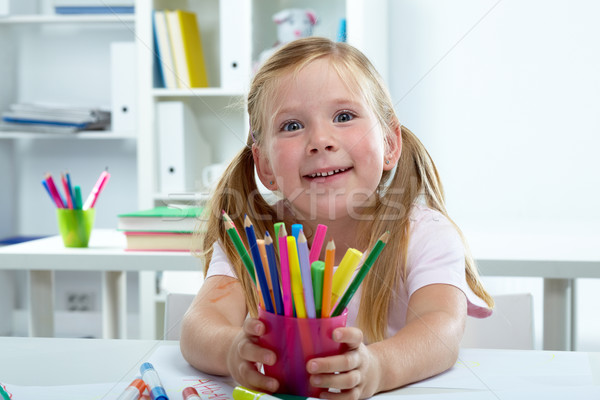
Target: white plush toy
292,24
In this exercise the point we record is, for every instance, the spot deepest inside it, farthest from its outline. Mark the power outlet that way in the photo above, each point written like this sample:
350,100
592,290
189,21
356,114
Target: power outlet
80,301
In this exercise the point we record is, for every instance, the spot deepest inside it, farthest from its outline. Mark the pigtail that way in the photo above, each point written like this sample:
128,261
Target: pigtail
231,194
416,176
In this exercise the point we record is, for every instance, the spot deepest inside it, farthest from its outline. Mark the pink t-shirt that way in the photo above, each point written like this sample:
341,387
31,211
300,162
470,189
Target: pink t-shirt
435,255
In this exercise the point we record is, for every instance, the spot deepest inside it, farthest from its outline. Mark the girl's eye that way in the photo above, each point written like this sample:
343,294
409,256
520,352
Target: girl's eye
343,117
291,126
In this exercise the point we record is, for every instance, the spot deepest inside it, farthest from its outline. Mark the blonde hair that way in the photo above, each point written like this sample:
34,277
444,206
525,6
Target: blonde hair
416,177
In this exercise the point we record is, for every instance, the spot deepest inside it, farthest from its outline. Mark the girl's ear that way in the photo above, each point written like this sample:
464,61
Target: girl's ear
263,169
393,148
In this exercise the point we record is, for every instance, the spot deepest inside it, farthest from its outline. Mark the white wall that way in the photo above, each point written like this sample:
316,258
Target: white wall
506,97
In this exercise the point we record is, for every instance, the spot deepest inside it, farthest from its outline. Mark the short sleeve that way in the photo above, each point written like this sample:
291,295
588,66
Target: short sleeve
436,254
219,263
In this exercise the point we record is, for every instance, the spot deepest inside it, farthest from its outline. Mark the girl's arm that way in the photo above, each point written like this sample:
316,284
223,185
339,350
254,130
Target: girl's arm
426,346
217,338
211,323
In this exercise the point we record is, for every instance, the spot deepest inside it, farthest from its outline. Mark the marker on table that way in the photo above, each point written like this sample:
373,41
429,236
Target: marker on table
54,191
78,205
134,391
286,283
381,242
342,276
149,375
328,278
189,393
242,393
309,299
3,394
315,249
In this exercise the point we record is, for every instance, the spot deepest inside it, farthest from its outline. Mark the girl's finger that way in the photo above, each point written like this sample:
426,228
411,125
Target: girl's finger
340,363
352,337
344,381
255,380
250,351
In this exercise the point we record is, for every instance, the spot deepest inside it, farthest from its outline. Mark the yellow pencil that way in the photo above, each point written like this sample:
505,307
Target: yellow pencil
296,277
342,276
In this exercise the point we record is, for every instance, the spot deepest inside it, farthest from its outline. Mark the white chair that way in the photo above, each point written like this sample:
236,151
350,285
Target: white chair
509,327
176,304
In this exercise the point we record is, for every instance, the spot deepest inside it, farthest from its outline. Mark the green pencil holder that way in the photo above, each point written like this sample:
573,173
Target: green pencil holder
75,226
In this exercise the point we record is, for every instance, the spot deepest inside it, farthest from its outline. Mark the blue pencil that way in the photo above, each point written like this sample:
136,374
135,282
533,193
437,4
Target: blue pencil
309,298
260,272
274,273
71,192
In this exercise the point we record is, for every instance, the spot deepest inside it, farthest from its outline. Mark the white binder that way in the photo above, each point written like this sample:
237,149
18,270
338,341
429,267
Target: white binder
123,87
183,152
235,44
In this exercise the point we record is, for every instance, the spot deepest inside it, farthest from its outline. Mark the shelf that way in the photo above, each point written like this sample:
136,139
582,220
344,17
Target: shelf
101,135
61,19
196,92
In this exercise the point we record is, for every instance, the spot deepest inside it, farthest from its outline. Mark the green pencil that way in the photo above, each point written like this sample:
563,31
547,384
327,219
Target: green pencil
343,303
239,246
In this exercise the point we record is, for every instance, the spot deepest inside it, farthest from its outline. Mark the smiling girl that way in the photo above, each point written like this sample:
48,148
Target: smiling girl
325,138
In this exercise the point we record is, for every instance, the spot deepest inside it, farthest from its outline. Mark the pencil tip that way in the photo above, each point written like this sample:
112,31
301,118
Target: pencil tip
301,237
282,231
385,236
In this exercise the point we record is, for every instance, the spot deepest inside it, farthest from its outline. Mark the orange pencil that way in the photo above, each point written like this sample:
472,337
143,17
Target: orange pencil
328,278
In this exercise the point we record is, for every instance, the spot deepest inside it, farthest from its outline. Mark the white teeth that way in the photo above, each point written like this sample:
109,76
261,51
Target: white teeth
315,175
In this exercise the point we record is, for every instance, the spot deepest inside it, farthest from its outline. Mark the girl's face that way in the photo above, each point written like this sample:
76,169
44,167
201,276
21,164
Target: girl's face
324,150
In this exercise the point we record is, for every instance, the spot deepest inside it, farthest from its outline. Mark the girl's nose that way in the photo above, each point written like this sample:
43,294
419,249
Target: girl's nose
321,139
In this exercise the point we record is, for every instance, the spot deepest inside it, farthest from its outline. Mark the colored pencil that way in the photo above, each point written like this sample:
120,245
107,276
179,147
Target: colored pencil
265,262
286,286
90,202
239,246
317,270
54,191
70,186
78,204
309,300
328,278
67,191
45,184
317,244
342,276
260,272
296,277
381,242
272,261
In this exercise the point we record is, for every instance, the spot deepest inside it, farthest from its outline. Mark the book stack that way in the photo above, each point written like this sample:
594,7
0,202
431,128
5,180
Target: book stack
36,117
161,229
179,50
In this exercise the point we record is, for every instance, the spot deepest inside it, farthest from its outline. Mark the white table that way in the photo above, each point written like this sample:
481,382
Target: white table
557,253
59,361
106,254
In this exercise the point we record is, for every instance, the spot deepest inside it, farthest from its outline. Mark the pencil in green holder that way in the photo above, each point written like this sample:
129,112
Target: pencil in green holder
343,303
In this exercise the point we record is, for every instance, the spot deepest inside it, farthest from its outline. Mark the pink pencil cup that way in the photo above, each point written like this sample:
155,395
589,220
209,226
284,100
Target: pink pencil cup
295,341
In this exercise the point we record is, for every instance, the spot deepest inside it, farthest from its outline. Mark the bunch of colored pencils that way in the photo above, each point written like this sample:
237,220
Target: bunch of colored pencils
297,283
72,199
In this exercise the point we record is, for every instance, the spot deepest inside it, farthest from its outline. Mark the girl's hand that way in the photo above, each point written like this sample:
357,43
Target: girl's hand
357,367
244,354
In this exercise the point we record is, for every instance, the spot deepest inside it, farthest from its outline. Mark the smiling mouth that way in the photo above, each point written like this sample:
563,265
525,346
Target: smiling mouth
327,173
